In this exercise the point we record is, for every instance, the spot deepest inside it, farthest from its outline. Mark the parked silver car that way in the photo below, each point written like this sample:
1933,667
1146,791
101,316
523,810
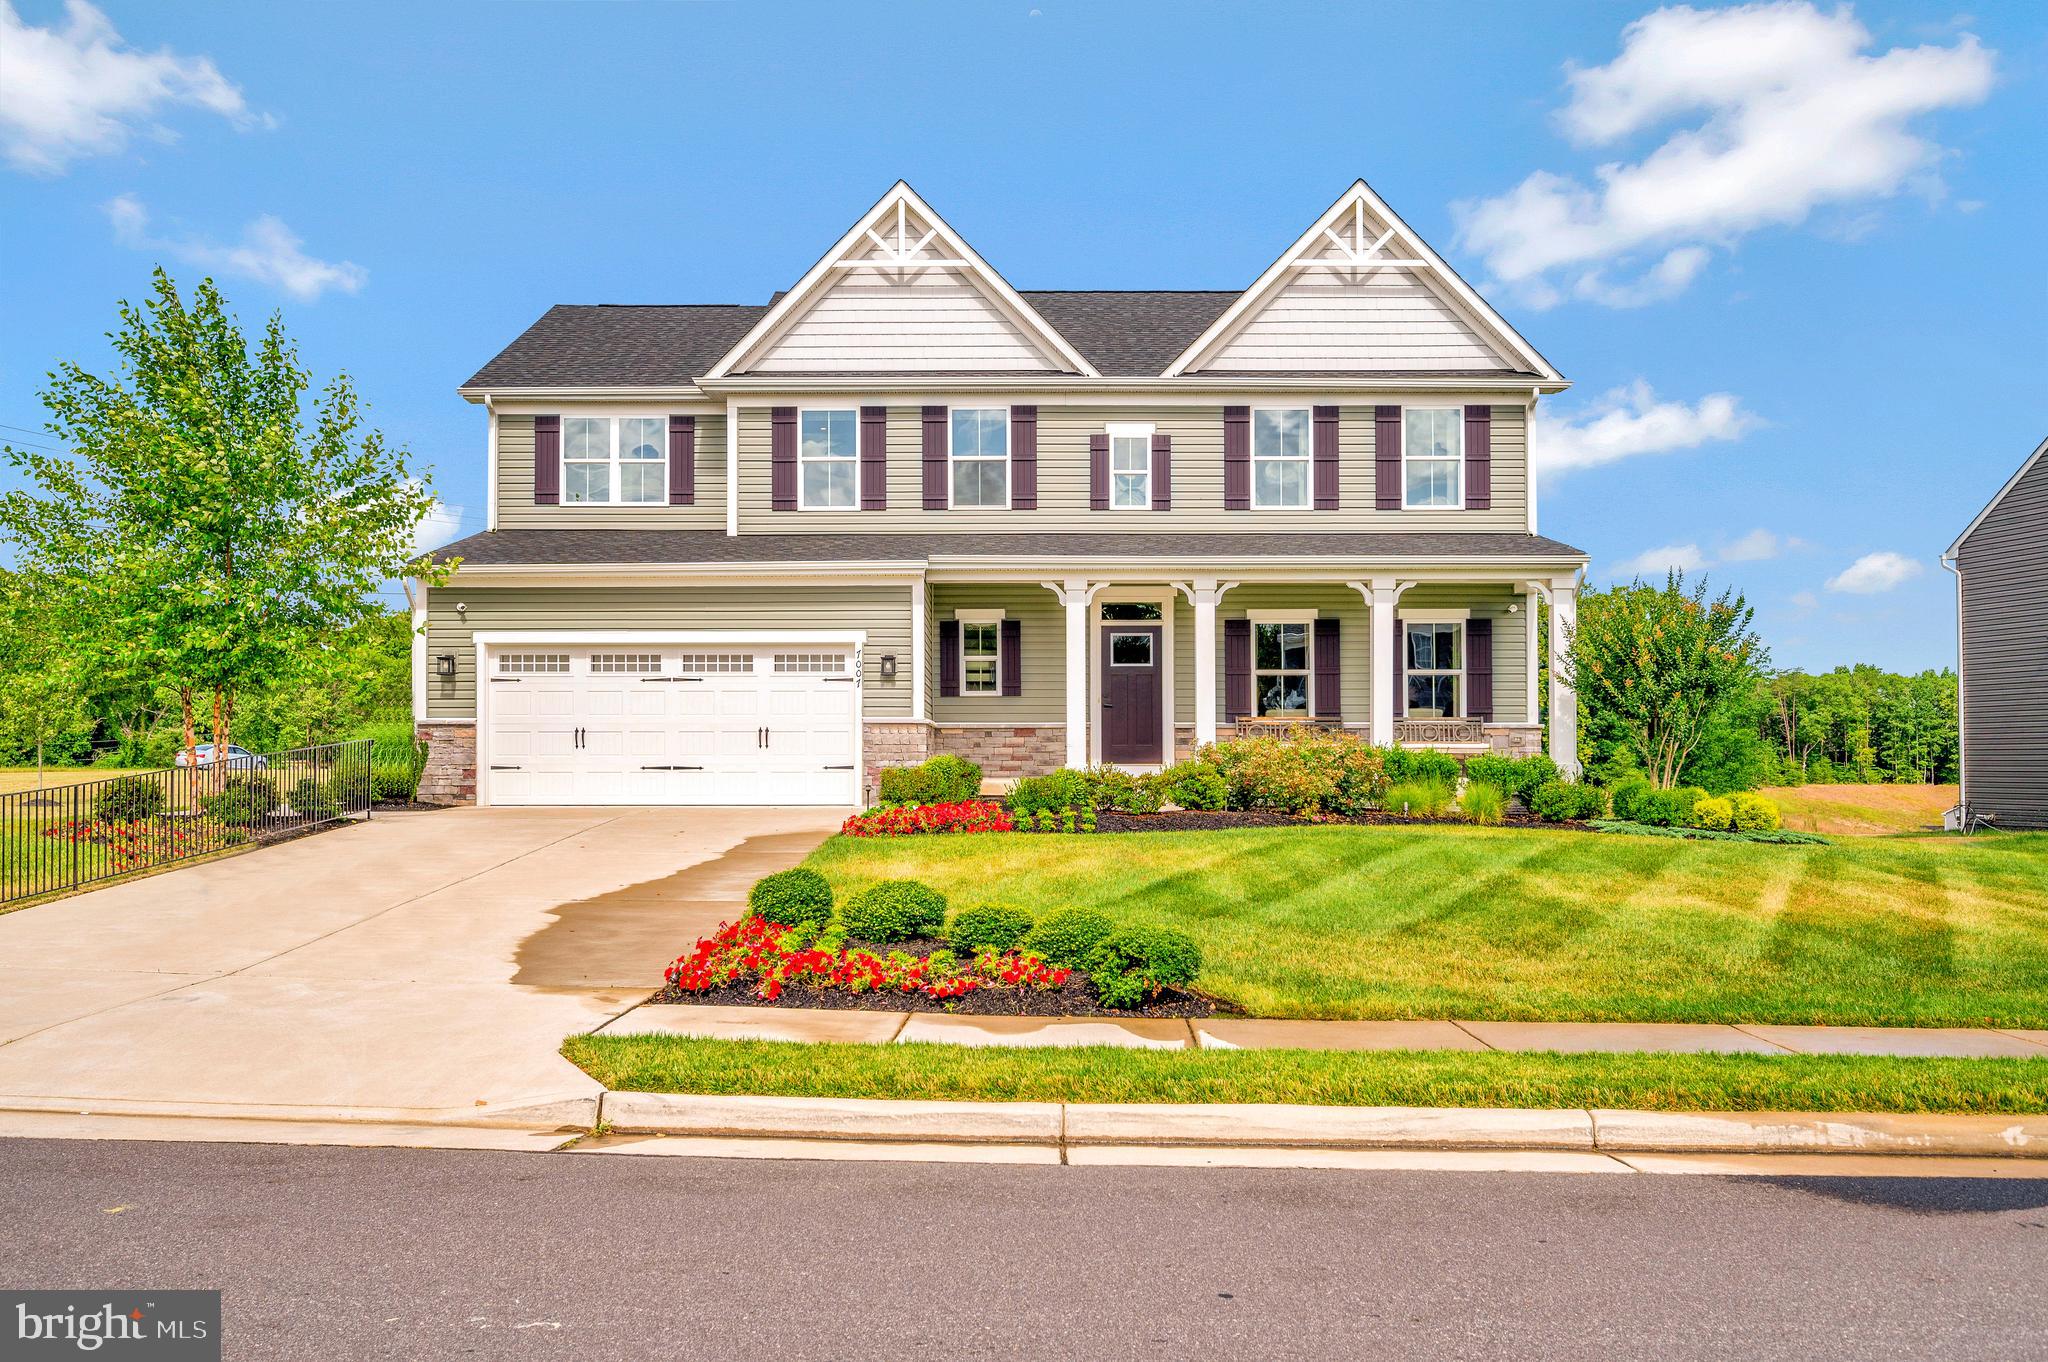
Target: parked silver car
233,757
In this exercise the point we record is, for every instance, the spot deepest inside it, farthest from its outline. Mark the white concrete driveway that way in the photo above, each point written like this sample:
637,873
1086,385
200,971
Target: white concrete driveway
418,968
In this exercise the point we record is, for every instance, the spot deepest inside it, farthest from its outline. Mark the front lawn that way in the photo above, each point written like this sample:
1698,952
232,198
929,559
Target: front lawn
1401,1078
1541,925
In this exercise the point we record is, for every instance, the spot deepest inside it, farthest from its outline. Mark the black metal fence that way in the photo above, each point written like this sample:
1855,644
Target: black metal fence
60,838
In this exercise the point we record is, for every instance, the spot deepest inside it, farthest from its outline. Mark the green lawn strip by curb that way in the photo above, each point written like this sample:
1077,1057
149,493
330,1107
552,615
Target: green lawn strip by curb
1400,1078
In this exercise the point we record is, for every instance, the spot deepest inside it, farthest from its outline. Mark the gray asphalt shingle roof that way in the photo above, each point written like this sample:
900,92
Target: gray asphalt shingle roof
495,548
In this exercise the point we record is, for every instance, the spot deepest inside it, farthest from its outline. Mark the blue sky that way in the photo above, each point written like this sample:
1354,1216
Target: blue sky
1789,256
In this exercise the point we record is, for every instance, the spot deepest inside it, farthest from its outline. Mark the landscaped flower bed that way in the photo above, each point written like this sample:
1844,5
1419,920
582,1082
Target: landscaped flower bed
967,815
891,948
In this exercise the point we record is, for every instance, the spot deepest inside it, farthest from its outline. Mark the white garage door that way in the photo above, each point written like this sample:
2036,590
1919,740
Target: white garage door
680,724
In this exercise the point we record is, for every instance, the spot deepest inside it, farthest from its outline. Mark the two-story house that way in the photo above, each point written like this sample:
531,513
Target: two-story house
753,554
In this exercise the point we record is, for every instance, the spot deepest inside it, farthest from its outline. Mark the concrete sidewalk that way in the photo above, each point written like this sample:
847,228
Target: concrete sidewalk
1223,1033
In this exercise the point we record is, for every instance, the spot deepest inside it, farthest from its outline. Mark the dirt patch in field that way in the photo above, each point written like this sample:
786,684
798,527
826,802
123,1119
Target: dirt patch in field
1863,810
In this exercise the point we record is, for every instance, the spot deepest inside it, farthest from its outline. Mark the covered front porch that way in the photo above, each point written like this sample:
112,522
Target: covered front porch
1025,673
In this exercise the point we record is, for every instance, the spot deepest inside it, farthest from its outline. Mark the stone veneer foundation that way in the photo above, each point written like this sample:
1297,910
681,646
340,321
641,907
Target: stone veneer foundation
449,776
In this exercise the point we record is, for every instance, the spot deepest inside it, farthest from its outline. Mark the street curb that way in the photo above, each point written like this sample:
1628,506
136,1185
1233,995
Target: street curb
1279,1126
557,1113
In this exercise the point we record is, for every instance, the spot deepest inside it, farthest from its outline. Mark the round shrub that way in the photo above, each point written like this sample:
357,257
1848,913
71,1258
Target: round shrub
1715,815
244,797
129,800
1629,795
1754,813
1125,791
1156,957
1683,798
1065,788
1559,801
894,910
1407,765
1483,803
948,778
1067,936
794,898
1195,785
1657,808
989,927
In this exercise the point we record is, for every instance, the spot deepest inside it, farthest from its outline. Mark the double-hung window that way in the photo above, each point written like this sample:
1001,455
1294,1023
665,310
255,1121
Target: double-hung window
981,651
1130,468
1433,458
1280,457
615,460
1280,670
981,457
1435,663
828,455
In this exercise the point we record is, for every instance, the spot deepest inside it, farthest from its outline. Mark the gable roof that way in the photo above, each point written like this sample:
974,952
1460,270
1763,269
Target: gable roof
615,345
1321,245
1992,505
863,242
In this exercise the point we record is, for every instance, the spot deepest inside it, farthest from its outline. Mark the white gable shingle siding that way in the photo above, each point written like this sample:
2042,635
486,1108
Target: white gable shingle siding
1325,321
938,322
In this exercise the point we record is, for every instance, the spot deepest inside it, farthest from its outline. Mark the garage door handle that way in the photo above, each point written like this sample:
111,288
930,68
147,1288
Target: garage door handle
669,680
836,768
506,680
671,768
508,768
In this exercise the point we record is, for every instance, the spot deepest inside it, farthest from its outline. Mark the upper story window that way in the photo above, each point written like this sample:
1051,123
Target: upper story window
1435,663
1280,457
1433,458
828,450
1130,468
981,456
620,460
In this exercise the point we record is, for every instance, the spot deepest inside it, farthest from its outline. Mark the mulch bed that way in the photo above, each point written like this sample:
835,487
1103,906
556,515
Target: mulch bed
1075,998
1185,820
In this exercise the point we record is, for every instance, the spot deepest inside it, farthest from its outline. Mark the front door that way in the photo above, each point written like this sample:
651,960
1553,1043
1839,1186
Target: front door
1131,694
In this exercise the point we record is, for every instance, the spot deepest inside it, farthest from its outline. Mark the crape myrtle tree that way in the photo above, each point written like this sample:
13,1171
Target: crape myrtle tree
1657,662
214,516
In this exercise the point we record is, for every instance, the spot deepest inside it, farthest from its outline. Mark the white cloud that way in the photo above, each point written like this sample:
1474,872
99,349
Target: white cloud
1630,421
1760,545
441,525
1784,112
269,253
79,90
1660,560
1874,573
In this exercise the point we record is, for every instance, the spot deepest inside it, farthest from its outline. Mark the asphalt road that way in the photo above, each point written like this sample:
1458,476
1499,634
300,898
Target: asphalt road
343,1253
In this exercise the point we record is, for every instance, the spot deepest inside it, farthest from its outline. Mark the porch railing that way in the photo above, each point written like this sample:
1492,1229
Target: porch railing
1439,730
61,838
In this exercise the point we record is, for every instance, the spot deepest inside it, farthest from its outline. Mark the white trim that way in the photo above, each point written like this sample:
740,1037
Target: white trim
416,596
1533,705
901,196
453,721
1131,430
1955,566
854,462
1008,460
1528,455
919,623
491,462
978,616
1443,614
732,467
1433,269
1458,425
1281,616
1162,596
574,637
1992,505
1307,459
1194,389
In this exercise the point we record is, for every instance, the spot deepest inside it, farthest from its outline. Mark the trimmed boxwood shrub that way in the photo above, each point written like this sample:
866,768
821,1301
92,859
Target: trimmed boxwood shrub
1135,962
1407,765
894,910
1754,813
1065,788
394,782
989,927
1067,936
1715,815
944,779
1518,776
794,898
1195,785
129,800
1561,801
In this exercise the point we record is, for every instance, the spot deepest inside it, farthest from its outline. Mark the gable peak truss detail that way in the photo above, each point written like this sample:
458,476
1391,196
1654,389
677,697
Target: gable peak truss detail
1360,240
903,266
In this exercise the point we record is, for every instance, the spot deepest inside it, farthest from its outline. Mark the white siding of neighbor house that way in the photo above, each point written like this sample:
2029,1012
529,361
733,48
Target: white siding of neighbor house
936,321
1326,320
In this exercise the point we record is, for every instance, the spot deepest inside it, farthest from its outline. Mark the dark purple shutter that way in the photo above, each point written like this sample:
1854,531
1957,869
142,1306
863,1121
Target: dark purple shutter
1479,458
1162,472
949,657
935,464
1237,460
1237,669
547,460
874,458
782,458
1023,460
1479,667
1386,458
1013,657
1400,667
682,460
1329,671
1326,429
1098,472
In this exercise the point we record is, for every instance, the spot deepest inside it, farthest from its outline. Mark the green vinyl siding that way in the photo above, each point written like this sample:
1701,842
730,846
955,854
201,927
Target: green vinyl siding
883,611
1510,644
1042,630
1331,601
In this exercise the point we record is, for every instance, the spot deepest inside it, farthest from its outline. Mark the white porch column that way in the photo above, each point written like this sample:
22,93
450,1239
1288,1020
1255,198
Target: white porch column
1205,593
1381,594
919,625
1075,594
1564,701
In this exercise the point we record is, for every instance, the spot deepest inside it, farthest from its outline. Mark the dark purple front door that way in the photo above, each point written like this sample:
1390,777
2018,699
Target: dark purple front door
1131,694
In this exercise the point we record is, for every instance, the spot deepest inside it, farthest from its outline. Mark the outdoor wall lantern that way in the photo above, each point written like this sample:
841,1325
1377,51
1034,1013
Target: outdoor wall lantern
888,666
444,664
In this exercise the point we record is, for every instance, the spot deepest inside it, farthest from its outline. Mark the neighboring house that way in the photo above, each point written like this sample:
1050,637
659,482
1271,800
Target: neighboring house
2001,567
753,554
